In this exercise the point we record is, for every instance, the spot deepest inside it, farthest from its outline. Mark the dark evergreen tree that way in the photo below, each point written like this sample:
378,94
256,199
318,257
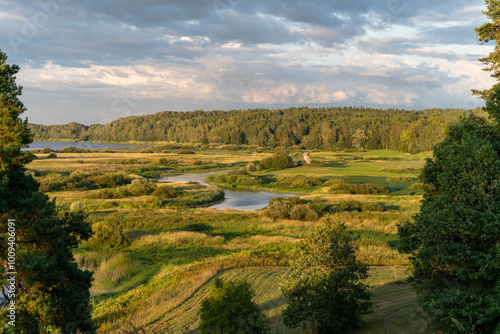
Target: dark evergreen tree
51,293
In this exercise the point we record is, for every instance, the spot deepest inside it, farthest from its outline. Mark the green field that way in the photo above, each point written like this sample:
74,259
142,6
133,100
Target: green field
178,246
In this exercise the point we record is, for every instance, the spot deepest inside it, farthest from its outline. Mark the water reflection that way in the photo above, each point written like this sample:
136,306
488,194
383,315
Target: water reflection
234,199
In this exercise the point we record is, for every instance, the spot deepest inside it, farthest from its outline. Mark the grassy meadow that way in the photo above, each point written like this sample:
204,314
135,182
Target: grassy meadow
176,245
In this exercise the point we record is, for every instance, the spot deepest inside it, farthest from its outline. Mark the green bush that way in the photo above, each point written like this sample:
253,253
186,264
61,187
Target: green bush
165,192
238,177
105,235
399,179
280,208
185,152
280,160
77,207
152,203
342,187
106,194
352,205
298,181
251,167
303,212
110,180
198,163
140,187
52,155
46,150
417,186
230,309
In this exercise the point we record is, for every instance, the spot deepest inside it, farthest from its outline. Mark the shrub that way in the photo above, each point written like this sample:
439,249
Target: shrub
251,167
146,151
152,203
52,155
230,309
185,152
280,160
165,192
298,181
342,187
46,150
106,235
280,208
77,207
372,207
351,205
110,180
303,212
163,161
239,177
198,163
106,194
417,186
140,187
399,179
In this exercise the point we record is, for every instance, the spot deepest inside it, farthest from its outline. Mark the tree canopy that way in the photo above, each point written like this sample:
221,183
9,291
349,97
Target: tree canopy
310,128
454,242
323,287
230,309
51,293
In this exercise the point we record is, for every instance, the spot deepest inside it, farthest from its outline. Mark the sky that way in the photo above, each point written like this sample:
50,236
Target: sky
94,61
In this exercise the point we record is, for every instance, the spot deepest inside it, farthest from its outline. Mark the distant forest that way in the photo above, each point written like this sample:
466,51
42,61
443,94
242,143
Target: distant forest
309,128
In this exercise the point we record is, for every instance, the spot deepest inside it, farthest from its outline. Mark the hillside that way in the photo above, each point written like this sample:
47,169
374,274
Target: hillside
310,128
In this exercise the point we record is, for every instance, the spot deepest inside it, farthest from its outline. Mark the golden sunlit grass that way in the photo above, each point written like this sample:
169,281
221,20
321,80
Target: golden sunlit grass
159,281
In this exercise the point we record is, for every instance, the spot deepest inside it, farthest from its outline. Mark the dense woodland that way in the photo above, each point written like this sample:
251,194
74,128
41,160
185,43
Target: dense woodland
310,128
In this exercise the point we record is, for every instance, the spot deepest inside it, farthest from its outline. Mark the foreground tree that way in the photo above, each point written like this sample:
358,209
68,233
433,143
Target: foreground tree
454,241
323,287
230,309
48,290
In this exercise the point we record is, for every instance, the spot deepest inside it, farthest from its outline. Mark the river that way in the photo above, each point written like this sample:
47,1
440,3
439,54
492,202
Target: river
234,199
55,145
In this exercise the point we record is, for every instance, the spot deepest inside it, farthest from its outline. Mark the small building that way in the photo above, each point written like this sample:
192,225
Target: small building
307,157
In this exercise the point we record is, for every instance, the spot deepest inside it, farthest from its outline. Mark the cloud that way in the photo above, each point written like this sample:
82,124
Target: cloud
79,57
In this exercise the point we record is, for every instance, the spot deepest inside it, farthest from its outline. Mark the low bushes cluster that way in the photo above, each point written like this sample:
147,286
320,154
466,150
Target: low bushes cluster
402,170
280,160
105,236
185,152
238,177
298,181
342,187
71,149
417,186
290,208
79,180
399,179
351,205
141,187
165,192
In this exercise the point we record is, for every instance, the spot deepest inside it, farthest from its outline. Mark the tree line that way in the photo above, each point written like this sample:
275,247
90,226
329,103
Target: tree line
310,128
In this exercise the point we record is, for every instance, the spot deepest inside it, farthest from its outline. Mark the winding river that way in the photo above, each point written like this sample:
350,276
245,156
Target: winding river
234,199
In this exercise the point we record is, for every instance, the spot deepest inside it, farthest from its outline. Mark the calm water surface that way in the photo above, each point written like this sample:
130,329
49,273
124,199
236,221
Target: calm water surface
234,199
54,145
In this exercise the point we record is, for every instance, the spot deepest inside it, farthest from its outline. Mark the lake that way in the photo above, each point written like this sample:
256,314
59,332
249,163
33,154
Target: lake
234,199
54,145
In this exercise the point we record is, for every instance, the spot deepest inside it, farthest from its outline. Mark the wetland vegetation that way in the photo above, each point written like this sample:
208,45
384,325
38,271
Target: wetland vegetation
157,247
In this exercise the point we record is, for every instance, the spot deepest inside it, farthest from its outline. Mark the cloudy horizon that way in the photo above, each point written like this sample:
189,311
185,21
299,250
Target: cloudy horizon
96,61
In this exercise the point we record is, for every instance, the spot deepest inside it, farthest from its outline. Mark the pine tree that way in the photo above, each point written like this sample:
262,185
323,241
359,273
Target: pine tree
49,292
